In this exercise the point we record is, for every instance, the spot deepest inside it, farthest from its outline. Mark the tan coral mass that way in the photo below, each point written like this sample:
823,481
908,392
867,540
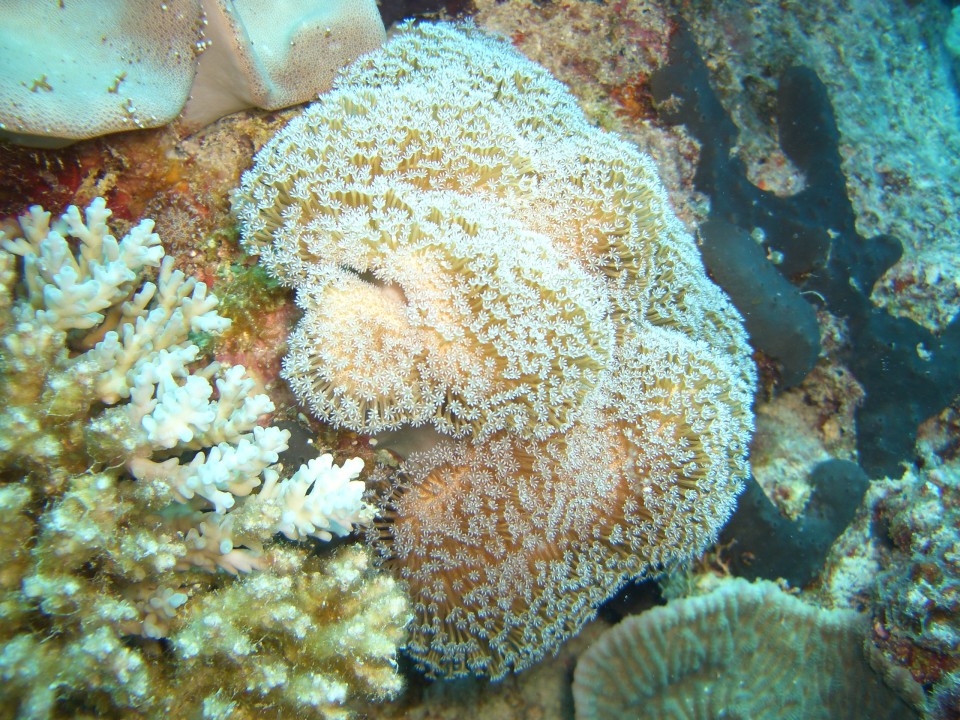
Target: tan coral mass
471,253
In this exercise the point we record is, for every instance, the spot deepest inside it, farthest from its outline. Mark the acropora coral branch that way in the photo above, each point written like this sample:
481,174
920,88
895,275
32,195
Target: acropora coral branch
136,483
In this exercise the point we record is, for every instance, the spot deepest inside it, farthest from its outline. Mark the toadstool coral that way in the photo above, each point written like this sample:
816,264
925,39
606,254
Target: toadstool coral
267,54
471,253
79,69
742,651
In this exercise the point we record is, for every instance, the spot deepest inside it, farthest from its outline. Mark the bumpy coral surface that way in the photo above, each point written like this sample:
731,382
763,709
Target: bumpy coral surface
135,482
470,252
741,651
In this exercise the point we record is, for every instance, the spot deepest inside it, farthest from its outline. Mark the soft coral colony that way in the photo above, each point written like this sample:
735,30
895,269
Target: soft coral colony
470,253
139,565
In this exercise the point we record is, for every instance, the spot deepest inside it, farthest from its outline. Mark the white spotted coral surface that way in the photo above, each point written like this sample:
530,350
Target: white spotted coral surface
76,70
272,55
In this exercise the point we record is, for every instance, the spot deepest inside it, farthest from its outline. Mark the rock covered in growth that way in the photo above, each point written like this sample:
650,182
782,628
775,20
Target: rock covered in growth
918,589
744,650
470,252
137,481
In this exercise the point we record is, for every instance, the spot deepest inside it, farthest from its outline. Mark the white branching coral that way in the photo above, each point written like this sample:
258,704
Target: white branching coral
144,357
64,291
319,500
471,253
140,463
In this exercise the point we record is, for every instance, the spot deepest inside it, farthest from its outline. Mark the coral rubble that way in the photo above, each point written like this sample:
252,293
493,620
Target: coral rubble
135,482
471,253
918,589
